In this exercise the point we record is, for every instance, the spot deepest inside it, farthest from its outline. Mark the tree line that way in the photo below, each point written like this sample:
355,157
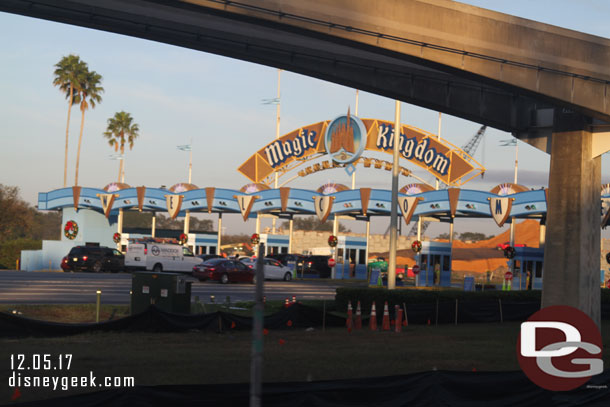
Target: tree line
466,236
23,227
313,223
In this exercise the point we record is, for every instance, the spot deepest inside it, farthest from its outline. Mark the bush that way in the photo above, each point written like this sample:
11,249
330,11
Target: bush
368,295
10,251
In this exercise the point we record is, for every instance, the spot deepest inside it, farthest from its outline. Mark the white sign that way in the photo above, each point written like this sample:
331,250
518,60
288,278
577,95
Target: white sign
500,209
323,206
245,204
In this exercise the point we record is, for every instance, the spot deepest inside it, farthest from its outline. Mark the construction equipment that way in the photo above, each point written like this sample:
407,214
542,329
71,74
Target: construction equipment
469,148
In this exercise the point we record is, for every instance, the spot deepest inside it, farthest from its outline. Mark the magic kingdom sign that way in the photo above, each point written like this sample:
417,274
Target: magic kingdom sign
345,139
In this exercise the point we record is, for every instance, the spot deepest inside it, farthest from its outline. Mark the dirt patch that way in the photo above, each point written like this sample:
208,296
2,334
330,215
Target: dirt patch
478,257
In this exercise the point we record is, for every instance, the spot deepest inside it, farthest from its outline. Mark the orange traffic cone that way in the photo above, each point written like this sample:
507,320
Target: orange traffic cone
373,319
398,325
358,323
350,321
385,325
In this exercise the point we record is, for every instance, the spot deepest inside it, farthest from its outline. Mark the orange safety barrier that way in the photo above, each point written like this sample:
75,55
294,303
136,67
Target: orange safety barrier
385,325
373,319
350,321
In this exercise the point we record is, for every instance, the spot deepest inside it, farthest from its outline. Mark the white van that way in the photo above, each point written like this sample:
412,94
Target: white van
160,257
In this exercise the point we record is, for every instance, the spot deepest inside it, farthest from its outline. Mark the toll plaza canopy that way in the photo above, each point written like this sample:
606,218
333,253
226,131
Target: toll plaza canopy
502,202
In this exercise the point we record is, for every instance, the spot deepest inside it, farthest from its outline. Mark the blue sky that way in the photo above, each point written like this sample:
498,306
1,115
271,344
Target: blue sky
176,94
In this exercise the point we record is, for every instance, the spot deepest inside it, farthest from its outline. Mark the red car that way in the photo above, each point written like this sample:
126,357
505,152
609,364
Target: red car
224,270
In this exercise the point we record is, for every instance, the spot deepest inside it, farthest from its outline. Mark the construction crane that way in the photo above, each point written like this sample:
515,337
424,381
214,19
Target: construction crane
470,148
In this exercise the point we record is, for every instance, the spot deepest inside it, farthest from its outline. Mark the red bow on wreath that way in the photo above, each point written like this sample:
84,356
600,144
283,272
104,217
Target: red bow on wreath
183,238
255,238
71,230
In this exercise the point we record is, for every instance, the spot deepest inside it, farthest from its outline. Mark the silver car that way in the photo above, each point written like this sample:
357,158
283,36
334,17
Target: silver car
273,269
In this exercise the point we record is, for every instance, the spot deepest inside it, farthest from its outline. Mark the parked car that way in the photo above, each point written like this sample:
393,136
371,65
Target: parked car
272,268
206,257
159,257
287,259
223,270
317,264
93,258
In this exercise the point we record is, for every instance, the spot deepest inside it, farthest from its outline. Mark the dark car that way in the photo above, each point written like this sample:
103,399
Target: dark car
288,259
93,258
317,265
224,270
206,257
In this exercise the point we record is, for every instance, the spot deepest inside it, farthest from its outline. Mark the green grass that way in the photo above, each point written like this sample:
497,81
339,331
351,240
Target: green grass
66,312
200,358
195,357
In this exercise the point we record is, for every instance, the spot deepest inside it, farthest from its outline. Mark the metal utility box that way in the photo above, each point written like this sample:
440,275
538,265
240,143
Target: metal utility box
168,291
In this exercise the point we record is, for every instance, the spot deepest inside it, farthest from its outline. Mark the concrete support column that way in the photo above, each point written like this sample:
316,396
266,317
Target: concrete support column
368,235
154,224
451,233
120,227
187,222
290,225
511,262
219,233
419,228
571,255
333,273
542,238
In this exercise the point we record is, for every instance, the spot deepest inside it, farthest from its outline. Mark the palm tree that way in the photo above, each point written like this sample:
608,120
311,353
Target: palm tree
89,90
121,129
66,73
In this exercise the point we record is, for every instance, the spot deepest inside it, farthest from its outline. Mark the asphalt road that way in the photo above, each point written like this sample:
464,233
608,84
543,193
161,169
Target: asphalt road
22,287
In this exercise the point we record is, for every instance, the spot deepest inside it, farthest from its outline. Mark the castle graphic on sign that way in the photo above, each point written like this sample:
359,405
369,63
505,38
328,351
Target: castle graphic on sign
345,138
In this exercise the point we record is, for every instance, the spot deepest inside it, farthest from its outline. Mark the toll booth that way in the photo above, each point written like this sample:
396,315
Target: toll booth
351,258
434,255
203,243
528,259
275,244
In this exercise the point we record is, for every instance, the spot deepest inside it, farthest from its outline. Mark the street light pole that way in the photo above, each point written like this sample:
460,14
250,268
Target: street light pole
439,139
394,202
277,136
513,142
512,221
191,161
189,148
355,114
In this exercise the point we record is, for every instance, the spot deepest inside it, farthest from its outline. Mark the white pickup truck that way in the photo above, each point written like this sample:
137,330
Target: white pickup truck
160,257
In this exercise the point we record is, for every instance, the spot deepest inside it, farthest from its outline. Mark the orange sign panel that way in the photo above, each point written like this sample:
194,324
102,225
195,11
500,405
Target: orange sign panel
445,161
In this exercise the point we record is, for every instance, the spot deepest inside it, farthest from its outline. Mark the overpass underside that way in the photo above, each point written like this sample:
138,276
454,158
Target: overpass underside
547,85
